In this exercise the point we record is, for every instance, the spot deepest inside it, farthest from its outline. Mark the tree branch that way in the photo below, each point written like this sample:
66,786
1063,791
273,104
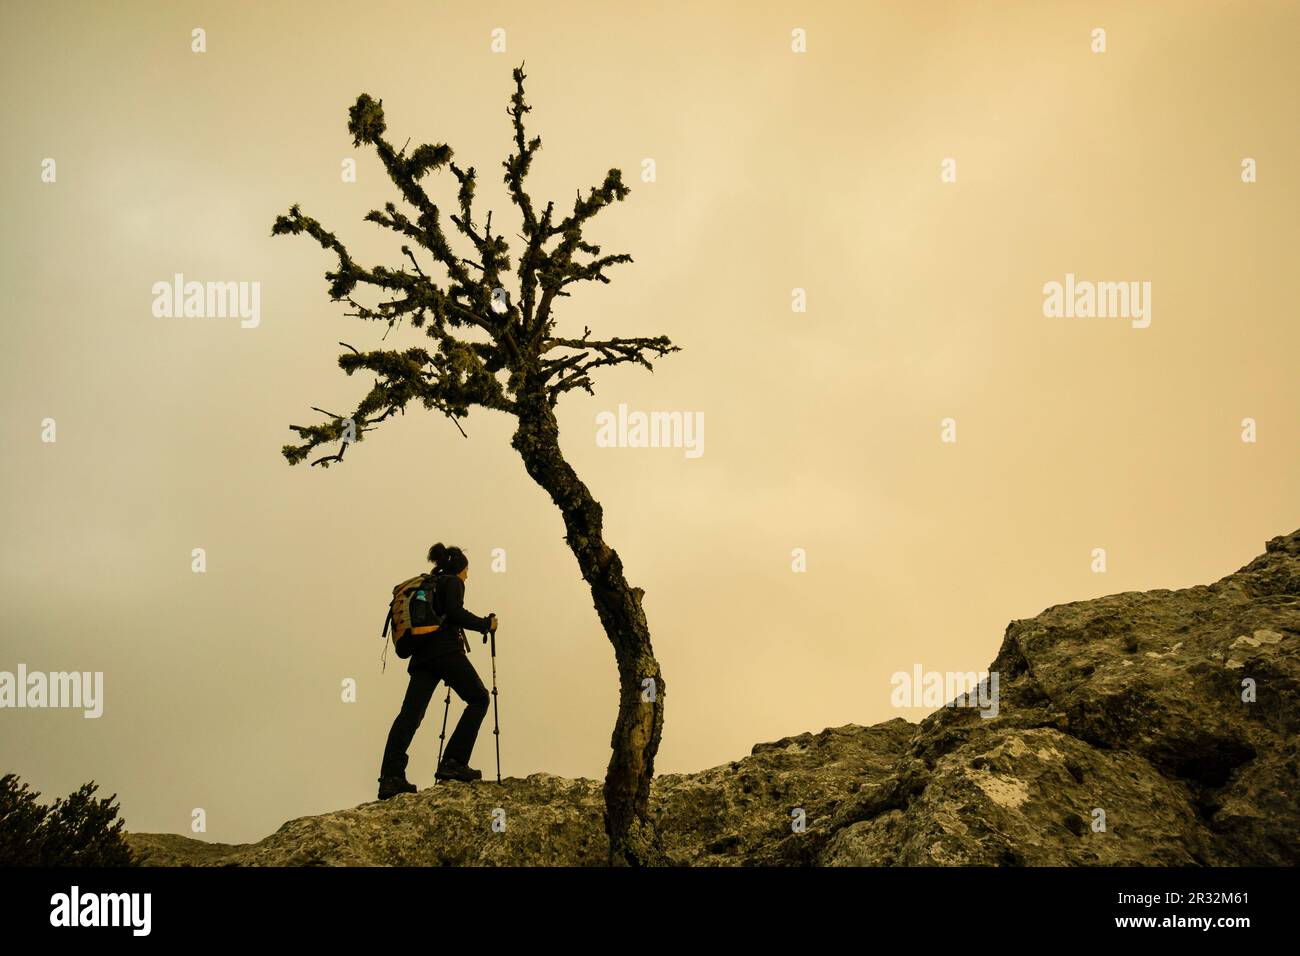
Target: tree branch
573,371
460,373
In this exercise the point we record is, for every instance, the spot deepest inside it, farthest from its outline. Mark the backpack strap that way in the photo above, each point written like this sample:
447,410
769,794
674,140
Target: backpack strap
383,658
460,631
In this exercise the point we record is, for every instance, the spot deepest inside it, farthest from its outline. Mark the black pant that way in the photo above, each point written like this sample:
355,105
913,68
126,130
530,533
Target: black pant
461,677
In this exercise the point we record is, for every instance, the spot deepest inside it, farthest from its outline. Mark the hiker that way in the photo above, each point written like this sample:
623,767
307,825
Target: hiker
440,656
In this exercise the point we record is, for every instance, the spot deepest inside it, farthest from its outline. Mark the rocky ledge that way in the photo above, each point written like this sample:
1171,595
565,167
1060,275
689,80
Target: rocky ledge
1146,728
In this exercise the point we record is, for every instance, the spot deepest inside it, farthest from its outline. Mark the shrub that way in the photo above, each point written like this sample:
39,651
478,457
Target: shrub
78,830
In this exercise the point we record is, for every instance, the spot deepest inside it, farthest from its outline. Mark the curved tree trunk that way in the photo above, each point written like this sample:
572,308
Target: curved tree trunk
637,731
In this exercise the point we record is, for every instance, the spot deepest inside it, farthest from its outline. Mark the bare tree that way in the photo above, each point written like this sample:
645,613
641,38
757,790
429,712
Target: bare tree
497,348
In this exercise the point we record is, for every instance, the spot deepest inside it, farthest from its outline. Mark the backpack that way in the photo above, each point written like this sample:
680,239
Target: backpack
412,612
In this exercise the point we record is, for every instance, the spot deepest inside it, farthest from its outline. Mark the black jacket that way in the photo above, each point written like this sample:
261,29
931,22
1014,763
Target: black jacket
449,638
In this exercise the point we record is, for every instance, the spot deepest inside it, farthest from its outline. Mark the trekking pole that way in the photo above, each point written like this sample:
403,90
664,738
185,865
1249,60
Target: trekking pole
443,735
496,723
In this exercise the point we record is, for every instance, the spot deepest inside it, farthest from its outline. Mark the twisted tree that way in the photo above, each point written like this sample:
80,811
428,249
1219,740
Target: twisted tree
496,347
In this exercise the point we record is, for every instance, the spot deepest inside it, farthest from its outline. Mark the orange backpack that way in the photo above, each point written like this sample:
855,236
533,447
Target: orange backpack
412,612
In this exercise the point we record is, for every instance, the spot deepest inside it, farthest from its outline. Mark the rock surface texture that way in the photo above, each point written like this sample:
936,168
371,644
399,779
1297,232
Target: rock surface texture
1131,711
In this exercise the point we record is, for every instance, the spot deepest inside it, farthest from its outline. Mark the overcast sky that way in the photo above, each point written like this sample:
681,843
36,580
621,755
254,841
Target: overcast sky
774,171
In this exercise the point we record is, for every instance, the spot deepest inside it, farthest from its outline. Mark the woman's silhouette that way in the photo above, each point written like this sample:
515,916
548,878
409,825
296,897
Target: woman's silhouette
440,656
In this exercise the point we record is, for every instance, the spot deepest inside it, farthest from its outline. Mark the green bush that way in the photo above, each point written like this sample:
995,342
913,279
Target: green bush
78,830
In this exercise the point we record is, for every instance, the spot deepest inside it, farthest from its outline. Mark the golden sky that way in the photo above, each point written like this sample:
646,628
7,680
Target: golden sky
775,170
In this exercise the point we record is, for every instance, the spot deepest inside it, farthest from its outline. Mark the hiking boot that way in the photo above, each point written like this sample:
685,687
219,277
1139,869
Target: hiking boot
392,786
452,769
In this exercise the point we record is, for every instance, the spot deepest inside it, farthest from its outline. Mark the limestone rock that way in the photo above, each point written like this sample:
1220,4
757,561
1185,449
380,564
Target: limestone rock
1144,728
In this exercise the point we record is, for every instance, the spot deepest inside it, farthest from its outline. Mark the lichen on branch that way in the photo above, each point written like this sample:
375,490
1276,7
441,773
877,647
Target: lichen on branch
491,321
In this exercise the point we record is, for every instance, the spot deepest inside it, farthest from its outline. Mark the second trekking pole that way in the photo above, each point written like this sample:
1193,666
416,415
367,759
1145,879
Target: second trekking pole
496,724
443,736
